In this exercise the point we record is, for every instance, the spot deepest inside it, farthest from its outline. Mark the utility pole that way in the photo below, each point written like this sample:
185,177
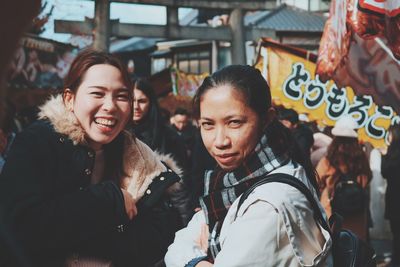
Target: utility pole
102,25
238,37
172,21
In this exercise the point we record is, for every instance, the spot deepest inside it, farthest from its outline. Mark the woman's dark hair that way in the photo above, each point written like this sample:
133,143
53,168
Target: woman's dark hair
249,81
290,115
152,120
147,89
86,59
346,154
243,78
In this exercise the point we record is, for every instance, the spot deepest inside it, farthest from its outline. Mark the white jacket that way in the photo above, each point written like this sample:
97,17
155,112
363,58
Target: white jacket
274,227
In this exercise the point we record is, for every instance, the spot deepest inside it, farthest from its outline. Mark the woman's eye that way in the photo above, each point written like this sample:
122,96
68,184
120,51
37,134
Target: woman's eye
206,125
142,101
123,97
97,94
235,123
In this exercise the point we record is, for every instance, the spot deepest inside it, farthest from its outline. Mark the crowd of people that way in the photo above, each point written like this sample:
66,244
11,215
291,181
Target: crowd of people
101,177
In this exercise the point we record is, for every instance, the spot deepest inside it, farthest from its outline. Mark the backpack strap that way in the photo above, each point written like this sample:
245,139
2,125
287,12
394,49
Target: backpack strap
296,183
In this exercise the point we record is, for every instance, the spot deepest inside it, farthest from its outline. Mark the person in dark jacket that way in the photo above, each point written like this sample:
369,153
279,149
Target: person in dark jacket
73,179
150,128
181,124
301,132
391,171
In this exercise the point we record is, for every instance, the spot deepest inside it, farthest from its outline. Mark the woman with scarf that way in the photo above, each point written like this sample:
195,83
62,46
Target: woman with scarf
72,180
275,225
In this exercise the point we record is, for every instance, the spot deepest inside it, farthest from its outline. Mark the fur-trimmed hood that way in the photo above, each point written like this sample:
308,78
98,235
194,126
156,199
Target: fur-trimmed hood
140,162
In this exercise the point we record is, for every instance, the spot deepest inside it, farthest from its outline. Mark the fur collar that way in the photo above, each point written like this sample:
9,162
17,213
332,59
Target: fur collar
140,162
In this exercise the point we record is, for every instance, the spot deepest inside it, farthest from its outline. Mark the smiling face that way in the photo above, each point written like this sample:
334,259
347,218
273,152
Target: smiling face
229,127
141,105
101,104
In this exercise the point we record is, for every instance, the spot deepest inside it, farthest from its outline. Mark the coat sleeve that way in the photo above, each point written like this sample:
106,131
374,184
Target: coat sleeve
43,217
185,246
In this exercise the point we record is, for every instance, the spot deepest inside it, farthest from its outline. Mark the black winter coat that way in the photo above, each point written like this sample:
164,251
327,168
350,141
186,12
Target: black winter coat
390,169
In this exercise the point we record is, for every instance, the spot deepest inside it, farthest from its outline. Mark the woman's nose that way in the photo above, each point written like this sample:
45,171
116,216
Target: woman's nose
221,139
108,103
135,104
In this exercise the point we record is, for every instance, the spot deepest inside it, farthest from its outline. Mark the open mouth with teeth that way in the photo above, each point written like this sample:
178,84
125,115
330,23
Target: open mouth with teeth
105,123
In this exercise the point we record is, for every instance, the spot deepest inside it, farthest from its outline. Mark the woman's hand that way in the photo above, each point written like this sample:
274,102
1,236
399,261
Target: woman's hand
130,204
202,241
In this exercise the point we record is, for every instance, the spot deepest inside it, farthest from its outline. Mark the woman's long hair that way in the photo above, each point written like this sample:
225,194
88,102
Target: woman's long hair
249,81
152,122
346,155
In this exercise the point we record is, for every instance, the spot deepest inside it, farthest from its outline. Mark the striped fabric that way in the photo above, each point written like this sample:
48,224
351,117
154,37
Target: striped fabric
222,188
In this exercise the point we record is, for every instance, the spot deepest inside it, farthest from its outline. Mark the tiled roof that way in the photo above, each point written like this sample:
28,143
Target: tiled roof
287,18
133,44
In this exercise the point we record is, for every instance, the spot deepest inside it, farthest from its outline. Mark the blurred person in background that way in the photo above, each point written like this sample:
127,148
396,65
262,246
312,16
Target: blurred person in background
345,159
181,123
301,132
149,126
390,169
320,147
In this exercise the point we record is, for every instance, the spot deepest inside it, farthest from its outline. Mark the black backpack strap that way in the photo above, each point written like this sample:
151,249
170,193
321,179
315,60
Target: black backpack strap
292,181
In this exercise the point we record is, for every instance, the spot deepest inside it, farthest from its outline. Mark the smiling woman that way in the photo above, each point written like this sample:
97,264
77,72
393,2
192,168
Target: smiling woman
102,104
72,180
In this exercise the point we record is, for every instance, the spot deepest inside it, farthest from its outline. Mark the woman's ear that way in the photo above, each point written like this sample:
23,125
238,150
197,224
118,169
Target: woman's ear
69,98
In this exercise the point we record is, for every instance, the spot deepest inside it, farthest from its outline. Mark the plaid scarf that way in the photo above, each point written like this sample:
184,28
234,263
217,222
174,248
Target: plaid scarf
222,188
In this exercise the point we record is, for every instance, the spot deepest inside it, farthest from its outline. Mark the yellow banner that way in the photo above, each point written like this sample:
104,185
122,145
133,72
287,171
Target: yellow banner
294,85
